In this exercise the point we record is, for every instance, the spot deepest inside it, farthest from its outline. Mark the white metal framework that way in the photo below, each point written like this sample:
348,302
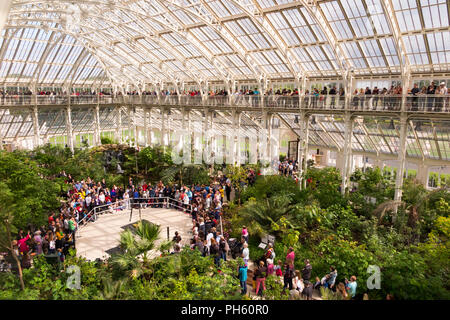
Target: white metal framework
152,45
152,42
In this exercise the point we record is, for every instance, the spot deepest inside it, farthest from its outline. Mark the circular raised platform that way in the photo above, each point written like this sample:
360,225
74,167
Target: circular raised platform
101,238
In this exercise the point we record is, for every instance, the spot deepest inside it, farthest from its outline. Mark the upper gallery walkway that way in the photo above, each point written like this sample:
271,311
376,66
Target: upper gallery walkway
377,105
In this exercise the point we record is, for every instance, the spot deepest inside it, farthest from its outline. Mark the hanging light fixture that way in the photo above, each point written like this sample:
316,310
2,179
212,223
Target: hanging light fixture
296,119
313,120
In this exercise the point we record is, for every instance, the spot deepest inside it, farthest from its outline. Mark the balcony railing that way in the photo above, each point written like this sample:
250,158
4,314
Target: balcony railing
385,103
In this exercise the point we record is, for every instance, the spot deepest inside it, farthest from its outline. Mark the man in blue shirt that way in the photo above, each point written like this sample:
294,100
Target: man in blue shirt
243,278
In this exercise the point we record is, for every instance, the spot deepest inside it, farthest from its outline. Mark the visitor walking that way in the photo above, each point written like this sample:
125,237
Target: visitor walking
261,273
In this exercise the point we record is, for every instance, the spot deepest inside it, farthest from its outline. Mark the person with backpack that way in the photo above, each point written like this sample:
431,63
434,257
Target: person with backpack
222,248
214,251
288,275
270,253
306,271
308,290
205,251
332,279
261,273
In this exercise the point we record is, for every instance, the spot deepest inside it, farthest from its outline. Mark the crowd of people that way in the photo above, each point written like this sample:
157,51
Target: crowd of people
88,198
53,239
205,205
292,279
434,97
287,167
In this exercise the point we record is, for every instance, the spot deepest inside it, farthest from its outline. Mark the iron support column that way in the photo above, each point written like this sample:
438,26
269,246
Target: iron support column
97,139
69,130
302,144
305,127
347,152
135,128
163,127
233,154
36,130
145,128
118,131
238,139
151,126
130,125
401,159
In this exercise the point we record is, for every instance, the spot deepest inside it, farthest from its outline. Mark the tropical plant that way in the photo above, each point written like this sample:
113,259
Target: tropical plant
270,215
135,244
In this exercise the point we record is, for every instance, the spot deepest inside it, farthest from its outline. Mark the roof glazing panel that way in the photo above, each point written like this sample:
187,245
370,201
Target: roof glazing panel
154,32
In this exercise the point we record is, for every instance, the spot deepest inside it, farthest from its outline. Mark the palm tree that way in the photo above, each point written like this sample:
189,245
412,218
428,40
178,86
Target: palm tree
111,289
191,172
136,244
267,213
390,205
415,196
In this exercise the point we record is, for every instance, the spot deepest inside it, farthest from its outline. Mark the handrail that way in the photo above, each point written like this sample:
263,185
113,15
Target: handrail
165,203
358,102
92,214
93,211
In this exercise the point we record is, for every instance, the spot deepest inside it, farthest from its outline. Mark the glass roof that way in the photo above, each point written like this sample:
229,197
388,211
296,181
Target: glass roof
91,42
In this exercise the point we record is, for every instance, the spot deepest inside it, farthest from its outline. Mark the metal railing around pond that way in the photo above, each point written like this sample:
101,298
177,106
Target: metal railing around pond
127,205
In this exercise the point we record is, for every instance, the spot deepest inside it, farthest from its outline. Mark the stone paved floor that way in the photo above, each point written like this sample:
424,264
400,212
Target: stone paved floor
96,238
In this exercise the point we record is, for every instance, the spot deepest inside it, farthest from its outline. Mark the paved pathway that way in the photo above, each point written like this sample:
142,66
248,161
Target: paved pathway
98,239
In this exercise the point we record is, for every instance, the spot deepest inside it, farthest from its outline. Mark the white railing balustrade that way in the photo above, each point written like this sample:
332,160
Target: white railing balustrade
359,102
128,204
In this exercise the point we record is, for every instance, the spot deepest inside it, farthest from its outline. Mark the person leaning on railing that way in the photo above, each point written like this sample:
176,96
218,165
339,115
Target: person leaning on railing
440,100
431,91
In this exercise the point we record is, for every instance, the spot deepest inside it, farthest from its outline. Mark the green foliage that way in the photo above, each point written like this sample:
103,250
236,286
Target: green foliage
33,195
107,140
327,294
412,251
270,215
347,257
274,289
373,188
324,187
268,186
186,174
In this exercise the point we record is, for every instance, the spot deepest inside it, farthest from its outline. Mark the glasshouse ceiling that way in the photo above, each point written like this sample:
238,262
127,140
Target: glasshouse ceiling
94,42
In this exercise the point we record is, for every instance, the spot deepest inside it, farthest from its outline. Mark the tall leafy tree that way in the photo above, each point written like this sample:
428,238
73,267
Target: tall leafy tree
34,196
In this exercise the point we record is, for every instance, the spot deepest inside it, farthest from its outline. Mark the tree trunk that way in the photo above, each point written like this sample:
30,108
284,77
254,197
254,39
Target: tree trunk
19,267
13,253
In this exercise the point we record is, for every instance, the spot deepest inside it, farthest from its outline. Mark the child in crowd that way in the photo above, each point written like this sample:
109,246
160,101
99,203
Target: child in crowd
279,269
270,267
